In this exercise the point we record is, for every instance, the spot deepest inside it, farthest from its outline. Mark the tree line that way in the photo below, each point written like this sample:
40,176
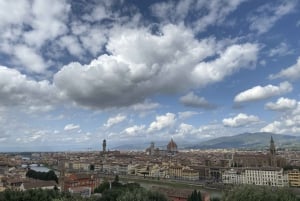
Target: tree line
46,176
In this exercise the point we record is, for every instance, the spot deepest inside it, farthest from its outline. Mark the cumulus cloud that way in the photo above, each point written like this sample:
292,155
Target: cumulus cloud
115,120
162,121
267,15
186,114
292,72
287,123
134,130
207,13
70,127
240,120
230,61
17,89
282,104
29,58
259,93
146,105
139,61
192,100
72,44
26,30
48,21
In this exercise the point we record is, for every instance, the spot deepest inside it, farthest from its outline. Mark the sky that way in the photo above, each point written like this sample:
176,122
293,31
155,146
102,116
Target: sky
73,73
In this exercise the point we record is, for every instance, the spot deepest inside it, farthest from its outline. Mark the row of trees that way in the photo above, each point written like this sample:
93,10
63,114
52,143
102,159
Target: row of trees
126,192
261,193
46,176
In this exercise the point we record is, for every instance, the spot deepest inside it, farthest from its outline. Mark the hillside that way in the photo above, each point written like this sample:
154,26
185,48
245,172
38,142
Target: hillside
249,141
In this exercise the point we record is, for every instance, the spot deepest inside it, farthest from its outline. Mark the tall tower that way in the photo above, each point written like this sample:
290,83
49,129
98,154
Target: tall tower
104,146
272,147
61,166
273,161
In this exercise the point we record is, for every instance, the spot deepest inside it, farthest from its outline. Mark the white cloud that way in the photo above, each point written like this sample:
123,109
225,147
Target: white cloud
146,105
17,89
27,26
292,72
259,93
267,15
163,121
72,44
115,120
192,100
186,114
13,13
30,59
282,104
230,61
208,13
186,131
139,61
240,120
48,21
287,123
281,50
134,130
70,127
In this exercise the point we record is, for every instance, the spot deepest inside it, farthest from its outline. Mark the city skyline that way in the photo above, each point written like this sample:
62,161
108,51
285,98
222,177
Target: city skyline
73,73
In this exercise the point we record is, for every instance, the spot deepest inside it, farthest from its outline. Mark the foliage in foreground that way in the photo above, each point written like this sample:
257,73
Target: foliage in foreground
195,196
261,193
118,192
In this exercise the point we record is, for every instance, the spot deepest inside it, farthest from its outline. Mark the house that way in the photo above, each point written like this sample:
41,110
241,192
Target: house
80,180
37,184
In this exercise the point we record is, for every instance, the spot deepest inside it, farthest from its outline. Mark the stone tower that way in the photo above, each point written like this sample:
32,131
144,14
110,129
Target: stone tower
104,146
272,153
272,147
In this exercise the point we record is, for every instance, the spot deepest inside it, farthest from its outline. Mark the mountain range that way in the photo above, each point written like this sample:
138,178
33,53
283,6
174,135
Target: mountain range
260,140
250,141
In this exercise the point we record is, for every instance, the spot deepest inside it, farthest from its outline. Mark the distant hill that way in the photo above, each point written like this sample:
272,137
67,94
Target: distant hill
259,140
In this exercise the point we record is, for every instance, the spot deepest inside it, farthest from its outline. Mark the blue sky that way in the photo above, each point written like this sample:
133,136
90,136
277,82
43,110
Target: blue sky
73,73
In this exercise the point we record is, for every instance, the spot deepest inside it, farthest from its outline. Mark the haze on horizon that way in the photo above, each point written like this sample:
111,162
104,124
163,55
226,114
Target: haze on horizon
73,73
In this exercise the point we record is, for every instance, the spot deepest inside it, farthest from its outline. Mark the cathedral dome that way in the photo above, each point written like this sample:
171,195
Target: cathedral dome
172,146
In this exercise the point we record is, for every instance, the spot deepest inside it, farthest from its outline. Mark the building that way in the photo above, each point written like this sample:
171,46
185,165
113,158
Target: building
266,176
232,176
82,191
189,174
80,180
294,178
269,159
38,184
104,146
269,176
172,147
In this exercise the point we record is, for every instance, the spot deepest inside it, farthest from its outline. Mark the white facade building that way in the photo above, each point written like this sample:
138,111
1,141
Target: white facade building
257,176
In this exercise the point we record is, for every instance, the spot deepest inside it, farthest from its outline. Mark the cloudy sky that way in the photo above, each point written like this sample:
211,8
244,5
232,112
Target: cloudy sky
75,72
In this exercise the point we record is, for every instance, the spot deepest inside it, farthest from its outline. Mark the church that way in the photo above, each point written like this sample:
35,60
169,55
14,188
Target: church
171,149
269,159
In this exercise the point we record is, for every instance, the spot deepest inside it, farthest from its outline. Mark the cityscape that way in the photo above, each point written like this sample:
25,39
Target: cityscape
211,171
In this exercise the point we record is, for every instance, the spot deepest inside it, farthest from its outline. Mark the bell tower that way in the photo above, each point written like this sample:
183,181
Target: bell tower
104,146
273,161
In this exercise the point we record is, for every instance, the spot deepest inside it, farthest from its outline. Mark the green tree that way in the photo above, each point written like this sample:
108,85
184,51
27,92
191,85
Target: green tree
140,194
195,196
261,193
102,187
46,176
